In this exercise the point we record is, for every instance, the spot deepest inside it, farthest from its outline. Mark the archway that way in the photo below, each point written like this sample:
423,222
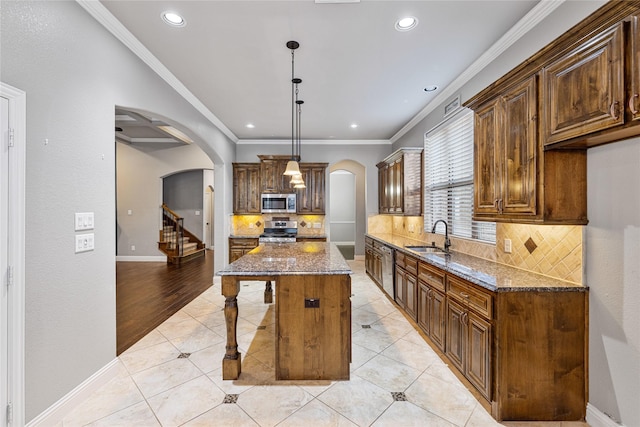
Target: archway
359,172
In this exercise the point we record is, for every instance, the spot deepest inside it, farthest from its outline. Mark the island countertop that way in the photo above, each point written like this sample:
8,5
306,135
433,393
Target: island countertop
287,259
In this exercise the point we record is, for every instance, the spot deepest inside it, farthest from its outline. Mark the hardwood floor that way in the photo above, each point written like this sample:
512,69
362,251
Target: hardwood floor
148,293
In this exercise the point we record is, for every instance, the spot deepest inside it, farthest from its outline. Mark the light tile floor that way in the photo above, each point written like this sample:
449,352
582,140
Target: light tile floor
172,377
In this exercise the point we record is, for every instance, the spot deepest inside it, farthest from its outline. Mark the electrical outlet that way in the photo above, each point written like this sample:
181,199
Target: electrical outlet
84,242
507,246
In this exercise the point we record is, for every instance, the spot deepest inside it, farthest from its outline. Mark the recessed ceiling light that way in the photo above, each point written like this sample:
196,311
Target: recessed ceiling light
430,88
354,125
173,19
250,125
407,23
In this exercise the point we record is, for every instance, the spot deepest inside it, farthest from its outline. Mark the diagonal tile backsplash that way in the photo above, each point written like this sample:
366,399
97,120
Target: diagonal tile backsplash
552,250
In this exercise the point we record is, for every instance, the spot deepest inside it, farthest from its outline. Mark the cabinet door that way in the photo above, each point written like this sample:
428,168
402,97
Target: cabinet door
478,358
400,286
456,341
273,178
310,200
235,253
318,190
382,189
246,188
634,95
423,306
304,196
583,91
437,318
398,183
411,302
486,154
519,147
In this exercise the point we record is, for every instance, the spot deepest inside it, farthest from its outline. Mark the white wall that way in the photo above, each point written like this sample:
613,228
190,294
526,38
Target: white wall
612,272
74,74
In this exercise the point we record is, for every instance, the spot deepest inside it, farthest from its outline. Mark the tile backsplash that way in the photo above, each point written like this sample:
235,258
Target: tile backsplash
552,250
253,225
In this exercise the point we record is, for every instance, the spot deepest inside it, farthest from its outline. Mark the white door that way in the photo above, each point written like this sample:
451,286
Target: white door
12,168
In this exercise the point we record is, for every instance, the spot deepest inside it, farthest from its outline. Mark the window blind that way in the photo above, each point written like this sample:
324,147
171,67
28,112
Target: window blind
448,179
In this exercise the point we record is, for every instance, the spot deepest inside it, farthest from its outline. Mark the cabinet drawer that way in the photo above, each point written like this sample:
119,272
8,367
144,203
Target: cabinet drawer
466,293
243,242
407,262
431,275
411,265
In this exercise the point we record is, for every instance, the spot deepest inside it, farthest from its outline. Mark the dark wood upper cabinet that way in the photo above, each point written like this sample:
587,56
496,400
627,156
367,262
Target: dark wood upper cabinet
589,81
311,200
514,179
272,169
505,153
246,188
400,183
583,91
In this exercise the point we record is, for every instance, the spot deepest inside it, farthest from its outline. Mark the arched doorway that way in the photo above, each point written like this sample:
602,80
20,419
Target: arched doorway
359,174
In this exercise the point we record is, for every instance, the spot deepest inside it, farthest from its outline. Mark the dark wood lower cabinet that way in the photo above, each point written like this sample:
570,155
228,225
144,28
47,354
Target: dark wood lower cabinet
238,246
523,350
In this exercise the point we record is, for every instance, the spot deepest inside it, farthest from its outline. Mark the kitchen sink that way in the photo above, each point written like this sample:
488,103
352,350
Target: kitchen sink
426,249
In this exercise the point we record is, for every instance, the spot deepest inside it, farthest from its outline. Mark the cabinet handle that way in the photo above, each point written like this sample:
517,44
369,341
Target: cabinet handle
464,318
632,104
612,110
464,295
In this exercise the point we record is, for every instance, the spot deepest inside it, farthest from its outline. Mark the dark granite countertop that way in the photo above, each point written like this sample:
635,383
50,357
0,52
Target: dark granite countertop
488,274
281,259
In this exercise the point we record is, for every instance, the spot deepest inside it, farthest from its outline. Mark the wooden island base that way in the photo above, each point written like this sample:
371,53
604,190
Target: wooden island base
313,326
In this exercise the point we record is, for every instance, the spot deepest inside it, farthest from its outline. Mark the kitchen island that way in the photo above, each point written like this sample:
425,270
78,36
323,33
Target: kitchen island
313,309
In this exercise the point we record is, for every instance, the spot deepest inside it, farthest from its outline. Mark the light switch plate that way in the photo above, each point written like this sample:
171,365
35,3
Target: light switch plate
83,221
507,246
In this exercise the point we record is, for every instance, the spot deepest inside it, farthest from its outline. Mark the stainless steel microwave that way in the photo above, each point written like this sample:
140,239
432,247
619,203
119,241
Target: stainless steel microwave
278,203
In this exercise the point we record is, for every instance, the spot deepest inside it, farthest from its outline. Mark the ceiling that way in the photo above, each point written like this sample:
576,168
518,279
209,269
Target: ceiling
356,68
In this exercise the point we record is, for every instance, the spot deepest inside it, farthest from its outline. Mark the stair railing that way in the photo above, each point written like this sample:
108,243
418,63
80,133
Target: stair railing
175,237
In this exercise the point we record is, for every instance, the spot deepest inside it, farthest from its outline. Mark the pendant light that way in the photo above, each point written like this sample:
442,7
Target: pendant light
299,180
293,169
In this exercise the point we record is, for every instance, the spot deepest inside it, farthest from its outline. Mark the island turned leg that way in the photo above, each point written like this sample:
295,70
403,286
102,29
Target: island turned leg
231,363
268,293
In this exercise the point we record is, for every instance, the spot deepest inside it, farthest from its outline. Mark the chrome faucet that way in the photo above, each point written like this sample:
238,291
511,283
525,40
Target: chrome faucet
447,242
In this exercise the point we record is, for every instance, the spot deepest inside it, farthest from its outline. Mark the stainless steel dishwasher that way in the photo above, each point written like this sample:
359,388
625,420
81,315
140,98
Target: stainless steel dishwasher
387,270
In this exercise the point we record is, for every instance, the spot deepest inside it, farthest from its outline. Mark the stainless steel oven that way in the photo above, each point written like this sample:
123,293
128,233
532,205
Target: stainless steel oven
279,231
278,203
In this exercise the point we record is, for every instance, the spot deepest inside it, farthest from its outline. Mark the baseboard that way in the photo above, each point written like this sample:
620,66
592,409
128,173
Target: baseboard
597,418
155,258
56,412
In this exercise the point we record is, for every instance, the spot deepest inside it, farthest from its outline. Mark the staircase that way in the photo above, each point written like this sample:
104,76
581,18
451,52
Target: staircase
179,244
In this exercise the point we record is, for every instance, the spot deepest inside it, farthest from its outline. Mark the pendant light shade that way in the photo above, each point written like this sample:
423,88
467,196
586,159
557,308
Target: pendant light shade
292,168
297,179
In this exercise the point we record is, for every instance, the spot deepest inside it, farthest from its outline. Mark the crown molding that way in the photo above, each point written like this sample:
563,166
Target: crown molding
530,20
115,27
315,142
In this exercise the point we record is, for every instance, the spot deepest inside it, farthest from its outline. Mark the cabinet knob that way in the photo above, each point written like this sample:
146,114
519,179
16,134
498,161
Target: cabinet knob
613,110
464,295
632,104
